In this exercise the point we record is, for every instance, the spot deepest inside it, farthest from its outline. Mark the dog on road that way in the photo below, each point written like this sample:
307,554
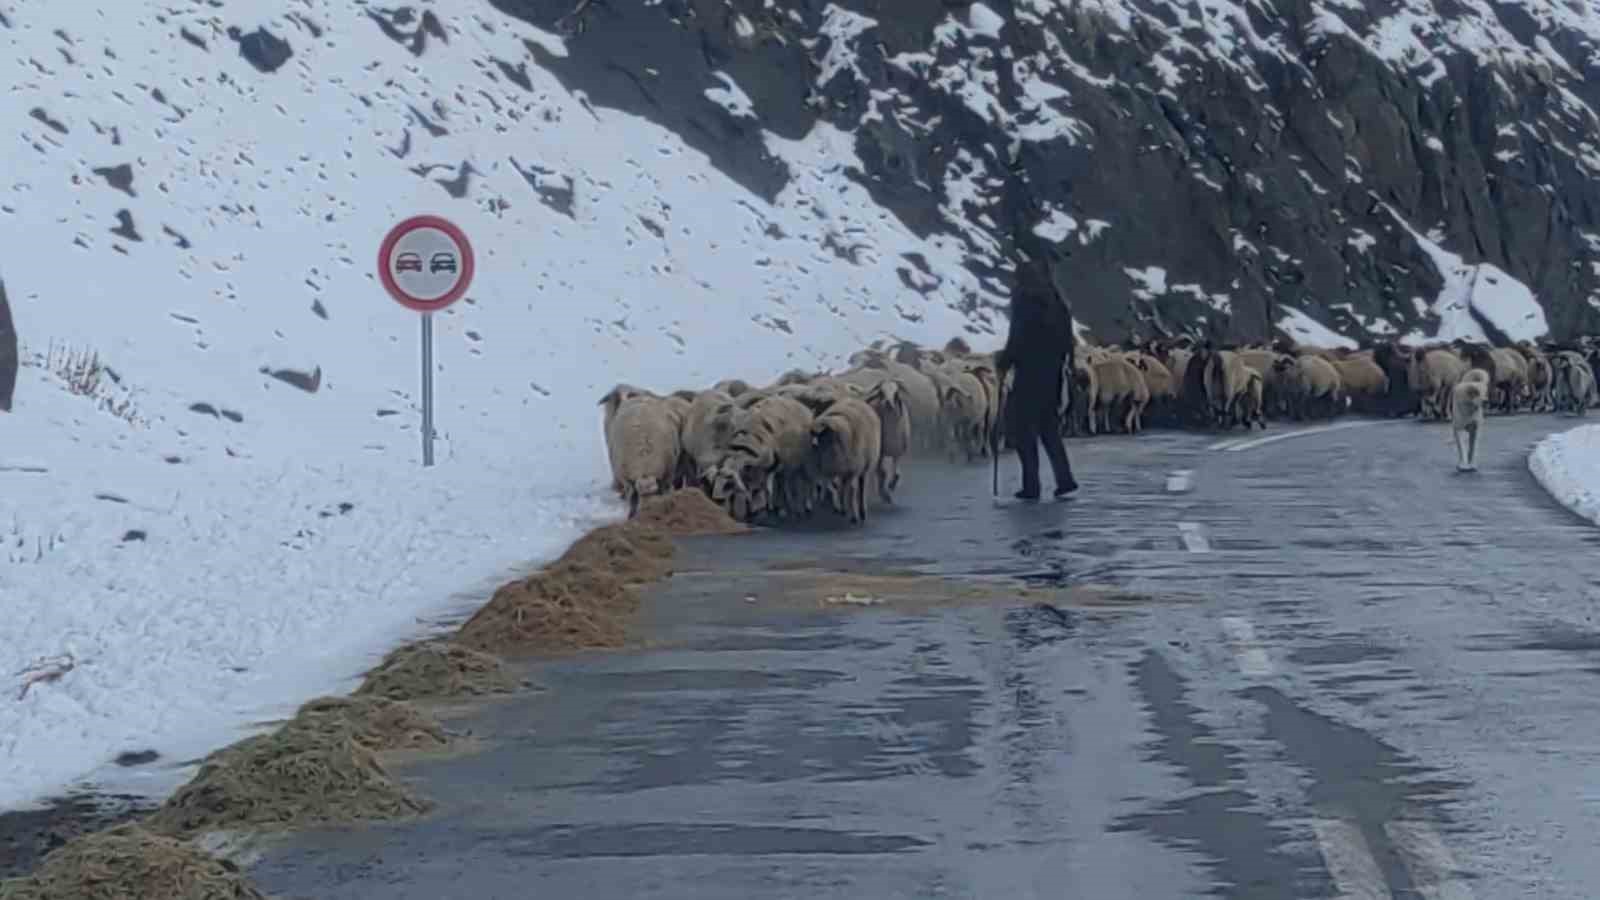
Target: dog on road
1467,400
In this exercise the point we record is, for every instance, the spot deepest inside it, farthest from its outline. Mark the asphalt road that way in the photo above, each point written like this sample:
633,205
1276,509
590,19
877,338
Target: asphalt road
1353,672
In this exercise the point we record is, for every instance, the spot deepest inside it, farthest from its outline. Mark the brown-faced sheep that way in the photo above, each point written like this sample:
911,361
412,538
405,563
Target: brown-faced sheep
846,442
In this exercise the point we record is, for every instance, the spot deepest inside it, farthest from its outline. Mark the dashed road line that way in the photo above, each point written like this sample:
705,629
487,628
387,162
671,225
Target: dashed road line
1194,538
1350,862
1253,658
1180,481
1433,867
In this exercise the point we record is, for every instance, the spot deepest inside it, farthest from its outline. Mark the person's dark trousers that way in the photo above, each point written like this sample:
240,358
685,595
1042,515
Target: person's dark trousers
1034,418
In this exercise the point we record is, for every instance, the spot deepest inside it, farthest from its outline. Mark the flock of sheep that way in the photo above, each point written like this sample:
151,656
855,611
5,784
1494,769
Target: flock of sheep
780,450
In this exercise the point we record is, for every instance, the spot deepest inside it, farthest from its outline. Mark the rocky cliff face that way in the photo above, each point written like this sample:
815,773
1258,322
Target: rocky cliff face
1400,167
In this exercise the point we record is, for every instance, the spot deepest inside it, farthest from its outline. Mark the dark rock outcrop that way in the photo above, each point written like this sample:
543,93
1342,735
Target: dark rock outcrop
262,49
9,360
1201,169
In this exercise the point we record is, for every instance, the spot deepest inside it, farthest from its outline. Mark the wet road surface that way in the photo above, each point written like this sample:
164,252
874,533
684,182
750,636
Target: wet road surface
1353,673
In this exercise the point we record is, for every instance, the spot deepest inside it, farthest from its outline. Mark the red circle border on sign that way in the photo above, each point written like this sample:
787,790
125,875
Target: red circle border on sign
468,263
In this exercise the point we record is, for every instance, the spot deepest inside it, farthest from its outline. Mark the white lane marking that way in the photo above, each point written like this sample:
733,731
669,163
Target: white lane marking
1225,443
1433,867
1238,445
1253,659
1180,481
1355,873
1194,539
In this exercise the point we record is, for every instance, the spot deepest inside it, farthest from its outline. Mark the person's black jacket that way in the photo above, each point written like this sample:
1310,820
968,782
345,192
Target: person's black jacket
1039,344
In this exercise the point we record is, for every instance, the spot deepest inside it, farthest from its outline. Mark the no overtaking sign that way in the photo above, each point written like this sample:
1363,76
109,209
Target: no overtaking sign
426,264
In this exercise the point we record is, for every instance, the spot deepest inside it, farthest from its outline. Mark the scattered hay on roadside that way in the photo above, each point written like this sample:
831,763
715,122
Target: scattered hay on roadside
437,669
631,552
129,861
568,606
295,776
687,512
583,600
375,723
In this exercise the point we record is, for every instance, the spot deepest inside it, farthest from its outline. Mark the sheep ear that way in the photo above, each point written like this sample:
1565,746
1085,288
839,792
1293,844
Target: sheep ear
610,396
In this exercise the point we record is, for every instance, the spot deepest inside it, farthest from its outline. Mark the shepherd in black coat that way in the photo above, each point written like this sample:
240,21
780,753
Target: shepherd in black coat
1039,348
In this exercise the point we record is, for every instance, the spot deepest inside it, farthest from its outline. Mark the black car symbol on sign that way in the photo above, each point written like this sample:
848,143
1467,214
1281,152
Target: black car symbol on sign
408,262
442,262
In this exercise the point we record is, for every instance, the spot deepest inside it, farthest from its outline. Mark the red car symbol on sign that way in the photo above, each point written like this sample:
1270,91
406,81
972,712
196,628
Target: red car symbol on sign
442,262
408,262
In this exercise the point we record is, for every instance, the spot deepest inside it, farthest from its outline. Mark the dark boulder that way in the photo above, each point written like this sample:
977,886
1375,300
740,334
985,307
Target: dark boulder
8,353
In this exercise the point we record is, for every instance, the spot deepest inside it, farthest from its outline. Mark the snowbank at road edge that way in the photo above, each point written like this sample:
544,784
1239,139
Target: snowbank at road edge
1568,466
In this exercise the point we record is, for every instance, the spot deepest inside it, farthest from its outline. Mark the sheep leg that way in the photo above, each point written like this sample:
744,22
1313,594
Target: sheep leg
861,499
1472,447
885,465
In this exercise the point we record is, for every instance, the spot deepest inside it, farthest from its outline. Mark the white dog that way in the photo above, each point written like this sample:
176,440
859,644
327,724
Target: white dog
1467,400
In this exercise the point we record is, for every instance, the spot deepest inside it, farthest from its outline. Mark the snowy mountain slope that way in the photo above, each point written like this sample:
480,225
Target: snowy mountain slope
234,518
1326,155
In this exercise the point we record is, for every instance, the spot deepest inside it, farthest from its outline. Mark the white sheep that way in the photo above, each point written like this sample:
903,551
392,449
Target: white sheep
611,401
889,402
1574,382
846,441
644,444
1467,400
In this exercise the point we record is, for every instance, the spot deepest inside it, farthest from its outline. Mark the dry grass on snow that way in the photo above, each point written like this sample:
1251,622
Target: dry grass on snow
321,767
130,862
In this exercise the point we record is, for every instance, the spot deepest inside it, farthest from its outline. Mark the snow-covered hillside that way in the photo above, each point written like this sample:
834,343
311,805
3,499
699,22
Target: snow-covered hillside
235,517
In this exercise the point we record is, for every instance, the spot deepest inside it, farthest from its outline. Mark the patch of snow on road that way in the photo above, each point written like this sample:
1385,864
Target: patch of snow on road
1306,330
1361,240
1568,466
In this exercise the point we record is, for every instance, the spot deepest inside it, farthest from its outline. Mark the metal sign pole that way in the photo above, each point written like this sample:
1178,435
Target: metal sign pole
427,389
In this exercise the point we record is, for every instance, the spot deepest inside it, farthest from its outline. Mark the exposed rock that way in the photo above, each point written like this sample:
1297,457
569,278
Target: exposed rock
309,383
119,177
8,353
262,49
1198,170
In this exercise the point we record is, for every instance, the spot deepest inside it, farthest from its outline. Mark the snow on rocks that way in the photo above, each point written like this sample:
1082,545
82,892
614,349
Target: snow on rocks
1482,288
1568,466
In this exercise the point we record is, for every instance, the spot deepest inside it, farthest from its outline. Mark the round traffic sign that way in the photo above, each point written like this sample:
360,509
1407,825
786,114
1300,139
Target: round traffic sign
425,263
